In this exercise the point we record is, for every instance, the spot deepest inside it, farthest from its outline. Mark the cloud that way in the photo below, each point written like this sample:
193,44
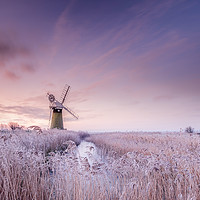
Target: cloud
164,98
40,100
11,75
11,54
149,8
27,111
61,27
95,67
10,50
118,44
50,84
27,68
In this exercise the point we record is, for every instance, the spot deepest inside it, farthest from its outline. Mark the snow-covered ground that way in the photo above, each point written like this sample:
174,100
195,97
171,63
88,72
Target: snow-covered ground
87,155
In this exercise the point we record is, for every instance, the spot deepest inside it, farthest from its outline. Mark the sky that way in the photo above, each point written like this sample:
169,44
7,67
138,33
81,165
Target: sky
133,65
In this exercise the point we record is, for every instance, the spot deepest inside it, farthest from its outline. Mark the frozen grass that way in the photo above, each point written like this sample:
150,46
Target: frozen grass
132,166
24,166
154,165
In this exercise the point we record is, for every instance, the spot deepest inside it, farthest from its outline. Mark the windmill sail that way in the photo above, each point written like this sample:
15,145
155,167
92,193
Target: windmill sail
71,112
64,93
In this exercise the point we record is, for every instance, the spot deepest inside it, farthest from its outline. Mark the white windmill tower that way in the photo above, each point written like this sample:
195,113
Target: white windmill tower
56,108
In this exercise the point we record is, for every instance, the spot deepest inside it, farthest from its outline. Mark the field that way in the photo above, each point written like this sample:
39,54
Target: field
65,165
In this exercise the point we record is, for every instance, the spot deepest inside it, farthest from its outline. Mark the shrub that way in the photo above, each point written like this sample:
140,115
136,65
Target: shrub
189,129
14,125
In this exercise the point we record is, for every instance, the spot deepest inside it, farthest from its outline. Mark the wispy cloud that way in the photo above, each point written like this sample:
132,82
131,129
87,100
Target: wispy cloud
61,29
10,50
27,111
11,75
27,68
12,53
164,98
39,99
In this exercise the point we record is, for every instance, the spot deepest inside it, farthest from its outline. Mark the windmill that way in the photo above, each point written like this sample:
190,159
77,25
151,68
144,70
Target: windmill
56,108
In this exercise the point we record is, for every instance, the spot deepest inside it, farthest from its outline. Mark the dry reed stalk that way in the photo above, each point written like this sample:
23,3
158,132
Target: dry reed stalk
140,166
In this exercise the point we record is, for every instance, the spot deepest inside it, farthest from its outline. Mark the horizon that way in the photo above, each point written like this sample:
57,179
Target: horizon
131,65
22,127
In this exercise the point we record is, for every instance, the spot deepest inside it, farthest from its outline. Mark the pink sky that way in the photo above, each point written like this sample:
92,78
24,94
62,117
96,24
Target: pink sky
131,65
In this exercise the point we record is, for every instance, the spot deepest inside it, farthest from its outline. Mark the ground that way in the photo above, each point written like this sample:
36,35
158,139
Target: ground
60,164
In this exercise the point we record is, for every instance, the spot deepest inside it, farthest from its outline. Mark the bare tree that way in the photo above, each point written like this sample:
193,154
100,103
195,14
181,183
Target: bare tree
189,129
14,125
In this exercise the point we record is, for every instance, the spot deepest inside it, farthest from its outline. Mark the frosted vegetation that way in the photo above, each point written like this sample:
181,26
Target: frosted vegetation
57,165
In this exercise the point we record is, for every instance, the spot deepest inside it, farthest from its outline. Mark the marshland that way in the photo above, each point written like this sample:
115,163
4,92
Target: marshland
61,164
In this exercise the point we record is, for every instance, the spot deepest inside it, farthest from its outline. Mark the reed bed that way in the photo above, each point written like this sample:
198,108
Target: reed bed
157,166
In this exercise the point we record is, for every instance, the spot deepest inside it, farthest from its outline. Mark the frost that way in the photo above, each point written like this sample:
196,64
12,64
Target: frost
58,164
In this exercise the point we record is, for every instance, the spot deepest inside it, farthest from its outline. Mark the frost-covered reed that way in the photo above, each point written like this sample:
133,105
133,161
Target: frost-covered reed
131,166
153,165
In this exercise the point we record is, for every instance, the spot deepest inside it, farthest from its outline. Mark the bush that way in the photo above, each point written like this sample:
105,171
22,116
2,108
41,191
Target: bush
189,129
14,125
